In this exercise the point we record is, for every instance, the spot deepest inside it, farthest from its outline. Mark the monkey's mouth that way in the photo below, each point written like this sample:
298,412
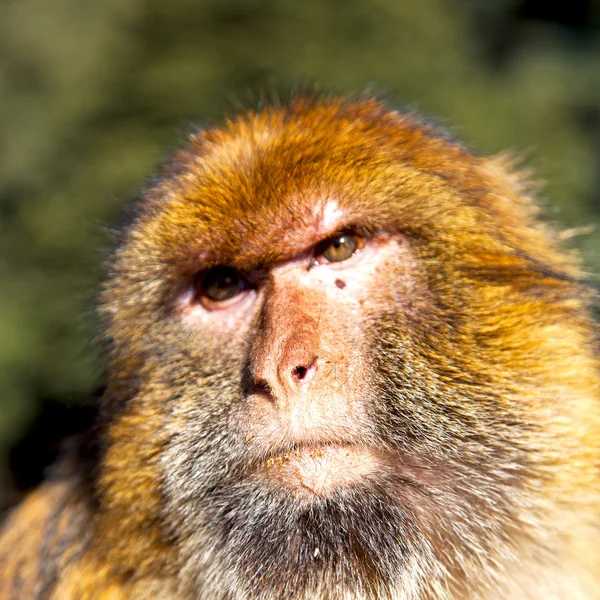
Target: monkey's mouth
319,470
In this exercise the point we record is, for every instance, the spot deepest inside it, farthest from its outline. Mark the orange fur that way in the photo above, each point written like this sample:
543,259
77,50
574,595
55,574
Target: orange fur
245,195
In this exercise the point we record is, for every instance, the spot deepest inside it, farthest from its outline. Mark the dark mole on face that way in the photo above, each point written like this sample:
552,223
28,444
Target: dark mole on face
341,284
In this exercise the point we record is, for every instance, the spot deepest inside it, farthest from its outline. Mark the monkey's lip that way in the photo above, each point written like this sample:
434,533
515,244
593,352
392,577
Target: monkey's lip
319,470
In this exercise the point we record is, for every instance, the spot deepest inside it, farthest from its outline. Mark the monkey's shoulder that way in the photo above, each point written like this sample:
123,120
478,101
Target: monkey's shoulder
40,538
50,547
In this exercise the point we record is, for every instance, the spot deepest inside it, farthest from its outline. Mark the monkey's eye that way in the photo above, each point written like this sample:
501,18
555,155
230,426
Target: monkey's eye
220,284
339,247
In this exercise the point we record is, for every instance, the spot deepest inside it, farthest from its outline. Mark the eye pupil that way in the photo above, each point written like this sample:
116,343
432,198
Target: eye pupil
340,247
224,282
221,283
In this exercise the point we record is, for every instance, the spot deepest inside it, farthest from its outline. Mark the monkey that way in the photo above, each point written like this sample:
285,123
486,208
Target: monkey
347,359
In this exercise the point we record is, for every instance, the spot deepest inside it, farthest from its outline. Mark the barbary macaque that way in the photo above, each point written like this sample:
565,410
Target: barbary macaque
346,361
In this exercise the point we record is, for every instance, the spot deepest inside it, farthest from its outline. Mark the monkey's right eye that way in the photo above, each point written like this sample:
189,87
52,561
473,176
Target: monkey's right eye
219,284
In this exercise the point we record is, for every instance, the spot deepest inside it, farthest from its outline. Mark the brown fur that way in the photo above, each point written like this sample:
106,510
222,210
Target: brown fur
479,365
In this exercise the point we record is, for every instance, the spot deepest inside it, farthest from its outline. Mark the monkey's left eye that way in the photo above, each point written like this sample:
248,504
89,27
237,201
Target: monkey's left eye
220,284
339,247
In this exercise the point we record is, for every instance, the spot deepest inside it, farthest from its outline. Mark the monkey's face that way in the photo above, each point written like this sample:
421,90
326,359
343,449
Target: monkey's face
305,333
295,450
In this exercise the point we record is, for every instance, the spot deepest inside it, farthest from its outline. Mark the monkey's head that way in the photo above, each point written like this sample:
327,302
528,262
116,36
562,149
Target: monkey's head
346,361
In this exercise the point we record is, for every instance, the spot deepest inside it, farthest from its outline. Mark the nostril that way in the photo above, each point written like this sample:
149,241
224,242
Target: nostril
299,373
304,373
262,387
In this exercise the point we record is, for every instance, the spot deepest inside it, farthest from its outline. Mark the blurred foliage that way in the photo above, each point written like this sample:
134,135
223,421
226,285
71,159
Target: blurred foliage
94,92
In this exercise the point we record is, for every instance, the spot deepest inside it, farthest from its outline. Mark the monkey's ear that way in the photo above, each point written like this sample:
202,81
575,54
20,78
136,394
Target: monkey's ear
515,190
510,169
518,198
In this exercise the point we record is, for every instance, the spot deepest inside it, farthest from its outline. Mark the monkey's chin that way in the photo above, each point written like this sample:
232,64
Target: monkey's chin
319,470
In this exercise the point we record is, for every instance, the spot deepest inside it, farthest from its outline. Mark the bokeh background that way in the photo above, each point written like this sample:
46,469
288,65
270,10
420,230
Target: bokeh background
95,93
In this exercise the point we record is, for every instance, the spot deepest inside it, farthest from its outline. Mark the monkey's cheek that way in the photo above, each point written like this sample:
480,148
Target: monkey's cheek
318,471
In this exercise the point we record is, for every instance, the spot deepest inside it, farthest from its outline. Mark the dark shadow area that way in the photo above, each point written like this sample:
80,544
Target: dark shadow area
58,428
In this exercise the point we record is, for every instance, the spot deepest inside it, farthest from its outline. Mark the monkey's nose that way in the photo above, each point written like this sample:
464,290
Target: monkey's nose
289,375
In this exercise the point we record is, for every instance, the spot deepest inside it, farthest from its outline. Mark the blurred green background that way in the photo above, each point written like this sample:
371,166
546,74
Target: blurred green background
95,93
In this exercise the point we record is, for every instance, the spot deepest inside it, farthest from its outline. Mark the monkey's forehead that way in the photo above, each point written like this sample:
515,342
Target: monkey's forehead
256,190
261,183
